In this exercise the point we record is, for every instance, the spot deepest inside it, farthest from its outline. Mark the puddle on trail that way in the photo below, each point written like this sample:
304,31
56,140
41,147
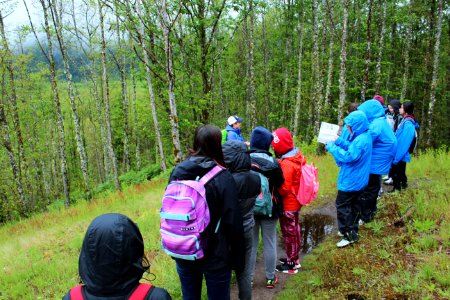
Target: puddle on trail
314,228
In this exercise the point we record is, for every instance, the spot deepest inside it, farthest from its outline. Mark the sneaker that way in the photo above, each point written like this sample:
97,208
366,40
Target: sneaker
361,222
340,234
288,268
283,260
344,242
389,181
270,283
251,283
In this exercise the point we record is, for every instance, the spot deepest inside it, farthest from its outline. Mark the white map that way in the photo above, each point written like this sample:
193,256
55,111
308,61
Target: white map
327,133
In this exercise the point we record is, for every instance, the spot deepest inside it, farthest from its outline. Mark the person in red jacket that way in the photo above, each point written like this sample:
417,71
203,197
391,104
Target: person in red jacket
291,160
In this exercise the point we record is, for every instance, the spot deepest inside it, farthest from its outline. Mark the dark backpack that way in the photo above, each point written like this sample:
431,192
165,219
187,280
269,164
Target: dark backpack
413,145
138,294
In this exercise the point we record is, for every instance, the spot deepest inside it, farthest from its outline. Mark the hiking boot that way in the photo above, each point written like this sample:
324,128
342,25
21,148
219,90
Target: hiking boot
389,181
270,283
288,268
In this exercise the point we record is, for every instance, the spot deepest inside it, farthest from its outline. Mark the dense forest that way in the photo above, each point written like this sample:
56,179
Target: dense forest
95,91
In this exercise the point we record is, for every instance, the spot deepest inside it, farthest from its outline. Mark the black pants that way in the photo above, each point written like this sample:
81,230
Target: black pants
399,176
368,199
347,206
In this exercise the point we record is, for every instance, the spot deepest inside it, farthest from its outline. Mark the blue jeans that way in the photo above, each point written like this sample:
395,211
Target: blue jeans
191,277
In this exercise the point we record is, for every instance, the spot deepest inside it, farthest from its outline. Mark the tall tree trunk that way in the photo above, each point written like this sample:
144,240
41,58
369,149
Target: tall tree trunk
6,141
407,49
316,67
56,11
106,100
13,98
301,22
251,66
380,45
135,114
57,102
121,64
166,27
330,62
150,91
369,42
342,79
435,73
267,89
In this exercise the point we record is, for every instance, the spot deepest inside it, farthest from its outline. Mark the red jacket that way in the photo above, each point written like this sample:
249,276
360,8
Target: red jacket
292,171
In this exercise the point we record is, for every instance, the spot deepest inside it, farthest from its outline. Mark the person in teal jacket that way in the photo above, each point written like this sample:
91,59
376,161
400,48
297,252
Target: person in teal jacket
384,145
405,134
353,156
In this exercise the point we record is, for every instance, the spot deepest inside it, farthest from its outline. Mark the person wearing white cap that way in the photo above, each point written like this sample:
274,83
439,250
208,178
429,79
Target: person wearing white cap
233,129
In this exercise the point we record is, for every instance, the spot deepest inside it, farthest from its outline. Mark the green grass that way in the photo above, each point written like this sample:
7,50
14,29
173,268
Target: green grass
408,262
39,255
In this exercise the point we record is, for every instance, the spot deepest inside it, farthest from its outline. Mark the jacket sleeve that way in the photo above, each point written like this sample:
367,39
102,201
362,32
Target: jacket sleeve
231,221
276,175
404,141
343,156
158,294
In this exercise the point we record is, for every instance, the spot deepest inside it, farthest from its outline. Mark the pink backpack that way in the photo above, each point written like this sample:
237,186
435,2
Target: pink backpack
185,216
309,184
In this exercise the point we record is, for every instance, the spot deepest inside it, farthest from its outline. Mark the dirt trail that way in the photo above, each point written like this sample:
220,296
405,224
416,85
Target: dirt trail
315,225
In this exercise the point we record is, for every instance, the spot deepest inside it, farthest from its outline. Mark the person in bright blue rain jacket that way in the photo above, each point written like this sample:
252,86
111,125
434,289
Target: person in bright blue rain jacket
405,134
384,144
353,156
234,129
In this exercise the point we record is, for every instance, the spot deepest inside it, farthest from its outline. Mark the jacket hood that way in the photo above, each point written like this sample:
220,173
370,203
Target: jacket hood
236,155
261,139
357,120
230,128
282,141
111,256
373,109
396,105
193,166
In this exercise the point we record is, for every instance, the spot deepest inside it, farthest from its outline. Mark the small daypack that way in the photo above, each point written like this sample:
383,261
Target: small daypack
138,294
263,203
413,145
309,184
185,216
224,136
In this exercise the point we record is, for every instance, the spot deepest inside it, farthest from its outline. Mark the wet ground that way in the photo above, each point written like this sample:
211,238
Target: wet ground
315,225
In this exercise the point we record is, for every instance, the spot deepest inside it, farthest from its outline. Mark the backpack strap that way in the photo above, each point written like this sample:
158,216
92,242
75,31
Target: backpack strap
76,293
213,172
141,291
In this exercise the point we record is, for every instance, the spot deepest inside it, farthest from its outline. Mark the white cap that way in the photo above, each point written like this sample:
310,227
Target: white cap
233,119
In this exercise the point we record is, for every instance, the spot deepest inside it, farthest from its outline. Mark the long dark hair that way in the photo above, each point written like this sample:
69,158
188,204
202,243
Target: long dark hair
208,142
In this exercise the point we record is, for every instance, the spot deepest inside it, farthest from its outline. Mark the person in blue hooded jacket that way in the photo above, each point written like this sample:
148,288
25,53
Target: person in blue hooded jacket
384,144
405,134
233,129
353,156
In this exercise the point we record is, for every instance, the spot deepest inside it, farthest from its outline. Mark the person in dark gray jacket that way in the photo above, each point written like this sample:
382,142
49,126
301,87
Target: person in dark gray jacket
237,160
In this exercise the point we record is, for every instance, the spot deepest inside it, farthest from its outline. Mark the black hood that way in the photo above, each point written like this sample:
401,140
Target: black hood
192,167
111,256
236,155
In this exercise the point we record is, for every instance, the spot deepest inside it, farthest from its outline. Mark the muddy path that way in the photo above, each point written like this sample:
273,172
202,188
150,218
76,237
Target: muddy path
315,225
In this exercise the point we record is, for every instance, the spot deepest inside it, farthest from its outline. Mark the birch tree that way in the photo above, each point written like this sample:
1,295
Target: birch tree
107,100
316,97
56,12
166,25
251,66
435,73
382,4
406,55
301,21
342,79
369,42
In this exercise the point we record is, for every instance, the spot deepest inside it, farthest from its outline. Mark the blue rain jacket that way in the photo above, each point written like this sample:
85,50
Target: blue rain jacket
234,134
405,134
354,154
384,142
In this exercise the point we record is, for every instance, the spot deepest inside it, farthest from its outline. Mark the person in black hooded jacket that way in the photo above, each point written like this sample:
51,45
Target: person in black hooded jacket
237,159
264,163
223,251
112,260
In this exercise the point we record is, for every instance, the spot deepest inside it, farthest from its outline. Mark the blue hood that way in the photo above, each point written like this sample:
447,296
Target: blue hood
373,109
357,120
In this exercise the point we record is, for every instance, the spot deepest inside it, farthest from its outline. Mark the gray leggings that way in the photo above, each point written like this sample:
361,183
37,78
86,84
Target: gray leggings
269,237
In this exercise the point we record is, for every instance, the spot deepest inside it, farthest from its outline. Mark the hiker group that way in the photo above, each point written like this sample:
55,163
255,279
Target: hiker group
228,193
